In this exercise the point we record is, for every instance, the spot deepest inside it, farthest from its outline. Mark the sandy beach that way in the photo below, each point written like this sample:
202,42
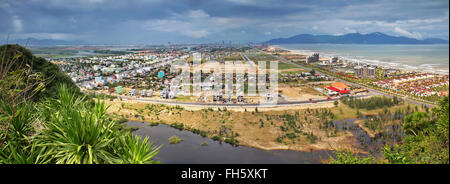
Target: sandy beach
421,58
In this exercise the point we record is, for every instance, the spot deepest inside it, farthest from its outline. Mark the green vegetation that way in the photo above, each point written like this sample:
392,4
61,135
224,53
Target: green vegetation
179,126
122,120
349,157
175,139
110,52
216,138
231,140
50,122
261,57
68,130
200,132
154,123
293,125
371,103
35,69
426,140
311,138
284,66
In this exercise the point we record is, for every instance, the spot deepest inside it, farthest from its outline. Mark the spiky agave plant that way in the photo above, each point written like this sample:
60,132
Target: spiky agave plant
19,147
29,154
136,151
77,133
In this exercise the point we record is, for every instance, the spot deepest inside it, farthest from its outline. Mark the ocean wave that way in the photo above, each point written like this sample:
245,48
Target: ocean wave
387,63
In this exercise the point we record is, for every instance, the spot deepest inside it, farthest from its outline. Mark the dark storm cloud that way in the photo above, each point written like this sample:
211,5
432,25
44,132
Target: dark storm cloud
159,21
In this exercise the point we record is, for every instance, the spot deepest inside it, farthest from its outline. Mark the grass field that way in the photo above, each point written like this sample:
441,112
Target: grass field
284,66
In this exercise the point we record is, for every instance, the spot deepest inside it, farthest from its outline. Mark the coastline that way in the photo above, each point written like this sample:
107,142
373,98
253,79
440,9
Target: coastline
441,69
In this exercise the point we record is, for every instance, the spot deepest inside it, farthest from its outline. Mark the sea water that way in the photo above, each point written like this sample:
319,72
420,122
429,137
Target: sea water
426,58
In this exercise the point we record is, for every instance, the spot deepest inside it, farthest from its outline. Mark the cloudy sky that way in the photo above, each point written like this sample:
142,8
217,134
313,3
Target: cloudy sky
201,21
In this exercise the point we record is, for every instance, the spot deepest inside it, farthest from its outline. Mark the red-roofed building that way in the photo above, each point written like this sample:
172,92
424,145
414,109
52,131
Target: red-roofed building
333,89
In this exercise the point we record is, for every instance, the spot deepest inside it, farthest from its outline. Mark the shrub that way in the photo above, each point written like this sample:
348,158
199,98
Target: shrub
175,140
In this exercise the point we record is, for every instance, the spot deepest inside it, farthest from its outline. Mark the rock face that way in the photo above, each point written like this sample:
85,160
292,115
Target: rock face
354,38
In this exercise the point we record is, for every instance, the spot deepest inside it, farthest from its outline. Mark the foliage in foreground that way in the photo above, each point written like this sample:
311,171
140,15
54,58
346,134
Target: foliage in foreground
68,130
15,58
348,157
426,141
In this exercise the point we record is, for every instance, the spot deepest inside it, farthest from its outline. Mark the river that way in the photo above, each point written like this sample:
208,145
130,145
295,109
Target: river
190,150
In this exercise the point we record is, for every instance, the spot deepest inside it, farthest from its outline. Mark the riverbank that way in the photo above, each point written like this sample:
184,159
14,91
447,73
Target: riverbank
304,128
192,150
299,129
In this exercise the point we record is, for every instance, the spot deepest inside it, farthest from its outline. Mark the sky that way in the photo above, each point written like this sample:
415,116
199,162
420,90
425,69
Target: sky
207,21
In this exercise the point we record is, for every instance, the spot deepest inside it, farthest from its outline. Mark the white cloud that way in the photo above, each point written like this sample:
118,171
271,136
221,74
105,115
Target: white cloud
403,32
56,36
17,24
197,14
197,33
349,30
195,23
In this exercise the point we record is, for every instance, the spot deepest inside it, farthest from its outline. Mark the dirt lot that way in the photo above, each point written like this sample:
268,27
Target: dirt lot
300,93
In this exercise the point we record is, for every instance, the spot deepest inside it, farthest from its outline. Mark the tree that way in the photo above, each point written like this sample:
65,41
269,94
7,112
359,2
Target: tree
416,122
426,140
380,73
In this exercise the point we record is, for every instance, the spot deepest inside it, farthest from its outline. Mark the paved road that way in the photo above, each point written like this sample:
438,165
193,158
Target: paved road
358,85
250,62
281,103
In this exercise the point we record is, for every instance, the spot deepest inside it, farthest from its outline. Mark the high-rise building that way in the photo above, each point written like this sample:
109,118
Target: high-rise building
334,60
365,72
312,58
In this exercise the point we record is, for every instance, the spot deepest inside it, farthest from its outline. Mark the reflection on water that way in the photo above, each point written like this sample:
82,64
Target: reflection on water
190,150
373,145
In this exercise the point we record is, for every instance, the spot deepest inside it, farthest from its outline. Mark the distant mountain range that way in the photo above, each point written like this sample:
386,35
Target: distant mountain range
354,38
44,42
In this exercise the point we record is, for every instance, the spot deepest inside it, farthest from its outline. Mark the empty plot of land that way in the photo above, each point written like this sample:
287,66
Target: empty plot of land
300,93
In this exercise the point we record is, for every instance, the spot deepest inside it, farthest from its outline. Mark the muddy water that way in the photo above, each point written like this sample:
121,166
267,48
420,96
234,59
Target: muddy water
190,150
373,145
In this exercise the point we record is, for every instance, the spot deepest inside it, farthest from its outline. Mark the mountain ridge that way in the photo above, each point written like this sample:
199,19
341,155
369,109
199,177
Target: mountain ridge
354,38
45,42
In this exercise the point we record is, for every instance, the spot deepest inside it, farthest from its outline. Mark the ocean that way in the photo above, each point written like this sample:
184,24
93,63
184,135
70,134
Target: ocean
425,58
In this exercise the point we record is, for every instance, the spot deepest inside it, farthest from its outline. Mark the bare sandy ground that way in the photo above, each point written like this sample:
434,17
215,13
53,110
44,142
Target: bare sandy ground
300,93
